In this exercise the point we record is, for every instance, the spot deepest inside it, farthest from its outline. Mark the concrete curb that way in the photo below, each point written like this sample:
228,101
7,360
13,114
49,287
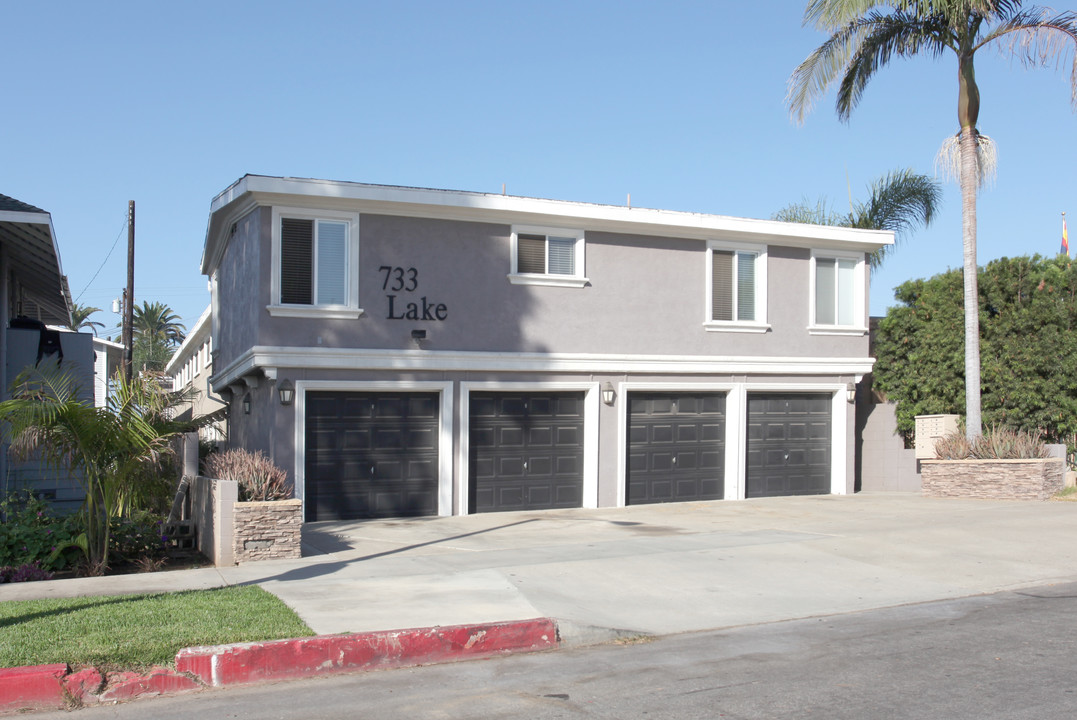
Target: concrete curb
52,687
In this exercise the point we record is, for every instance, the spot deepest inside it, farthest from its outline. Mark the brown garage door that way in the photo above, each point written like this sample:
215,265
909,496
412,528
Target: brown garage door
371,455
526,451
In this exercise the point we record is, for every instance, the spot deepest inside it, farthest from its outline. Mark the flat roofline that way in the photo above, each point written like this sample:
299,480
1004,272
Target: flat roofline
251,190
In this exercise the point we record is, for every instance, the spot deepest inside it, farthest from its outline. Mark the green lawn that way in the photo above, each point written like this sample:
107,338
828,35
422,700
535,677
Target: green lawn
136,631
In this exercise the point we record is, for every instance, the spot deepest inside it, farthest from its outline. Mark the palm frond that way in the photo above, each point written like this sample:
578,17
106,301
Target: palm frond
1039,39
898,34
811,78
808,214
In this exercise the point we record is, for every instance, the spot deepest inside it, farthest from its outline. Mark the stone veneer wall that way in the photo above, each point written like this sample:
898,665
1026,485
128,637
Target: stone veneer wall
267,530
993,479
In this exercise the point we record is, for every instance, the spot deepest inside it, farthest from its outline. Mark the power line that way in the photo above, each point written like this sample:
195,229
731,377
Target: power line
114,243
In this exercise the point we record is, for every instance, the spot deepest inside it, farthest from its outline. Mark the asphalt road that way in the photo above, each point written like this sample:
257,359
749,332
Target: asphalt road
1009,655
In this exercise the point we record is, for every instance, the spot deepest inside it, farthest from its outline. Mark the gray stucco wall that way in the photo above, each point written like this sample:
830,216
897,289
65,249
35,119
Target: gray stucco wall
646,295
243,286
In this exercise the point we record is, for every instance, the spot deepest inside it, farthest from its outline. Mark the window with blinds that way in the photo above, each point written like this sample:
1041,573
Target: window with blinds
545,254
733,286
313,262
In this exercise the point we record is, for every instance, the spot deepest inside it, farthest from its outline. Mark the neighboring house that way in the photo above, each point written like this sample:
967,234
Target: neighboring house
190,368
107,361
404,351
34,295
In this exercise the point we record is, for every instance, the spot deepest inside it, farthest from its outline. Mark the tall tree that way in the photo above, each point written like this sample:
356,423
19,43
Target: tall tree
80,318
866,35
898,201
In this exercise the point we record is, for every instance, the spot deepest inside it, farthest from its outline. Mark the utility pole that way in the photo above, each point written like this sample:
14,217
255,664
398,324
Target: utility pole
129,305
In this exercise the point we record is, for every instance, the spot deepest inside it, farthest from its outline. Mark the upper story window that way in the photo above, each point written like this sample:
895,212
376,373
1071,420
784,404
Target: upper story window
837,293
315,258
736,288
547,256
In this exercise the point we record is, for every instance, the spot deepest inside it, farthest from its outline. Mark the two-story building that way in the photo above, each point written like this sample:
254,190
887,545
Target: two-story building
405,351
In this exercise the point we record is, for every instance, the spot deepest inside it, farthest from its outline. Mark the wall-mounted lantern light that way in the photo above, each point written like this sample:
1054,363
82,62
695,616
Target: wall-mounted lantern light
286,391
608,394
850,393
247,404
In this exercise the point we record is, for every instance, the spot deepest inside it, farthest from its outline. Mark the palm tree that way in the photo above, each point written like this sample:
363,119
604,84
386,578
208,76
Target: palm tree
898,201
80,318
156,321
866,35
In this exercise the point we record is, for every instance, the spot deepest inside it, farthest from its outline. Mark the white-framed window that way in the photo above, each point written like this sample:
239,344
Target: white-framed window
315,264
547,256
736,288
837,293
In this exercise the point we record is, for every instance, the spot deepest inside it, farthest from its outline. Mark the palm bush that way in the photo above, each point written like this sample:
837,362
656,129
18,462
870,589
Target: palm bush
114,452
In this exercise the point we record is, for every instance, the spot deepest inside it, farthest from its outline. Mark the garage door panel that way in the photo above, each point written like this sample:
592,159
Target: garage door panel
788,444
675,447
526,451
367,455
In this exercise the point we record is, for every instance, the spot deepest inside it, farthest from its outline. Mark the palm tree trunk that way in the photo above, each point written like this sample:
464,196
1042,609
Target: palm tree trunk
970,181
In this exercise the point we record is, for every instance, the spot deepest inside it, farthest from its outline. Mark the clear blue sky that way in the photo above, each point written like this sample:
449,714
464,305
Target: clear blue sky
679,103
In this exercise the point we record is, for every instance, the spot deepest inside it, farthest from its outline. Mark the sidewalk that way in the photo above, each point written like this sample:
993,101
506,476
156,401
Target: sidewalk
656,569
720,564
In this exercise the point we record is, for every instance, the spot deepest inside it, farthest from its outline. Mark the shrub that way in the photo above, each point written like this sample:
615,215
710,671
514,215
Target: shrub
30,534
139,538
998,443
258,477
28,572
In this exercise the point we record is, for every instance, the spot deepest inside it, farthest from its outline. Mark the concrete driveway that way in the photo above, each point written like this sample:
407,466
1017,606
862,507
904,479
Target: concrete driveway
654,569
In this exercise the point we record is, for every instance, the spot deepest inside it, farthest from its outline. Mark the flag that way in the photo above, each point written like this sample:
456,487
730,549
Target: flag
1065,239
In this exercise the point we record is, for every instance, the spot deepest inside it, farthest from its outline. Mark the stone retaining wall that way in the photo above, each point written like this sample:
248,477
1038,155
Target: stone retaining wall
993,479
267,530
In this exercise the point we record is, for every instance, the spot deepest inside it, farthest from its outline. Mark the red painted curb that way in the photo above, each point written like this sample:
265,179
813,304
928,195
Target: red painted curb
35,687
304,657
42,687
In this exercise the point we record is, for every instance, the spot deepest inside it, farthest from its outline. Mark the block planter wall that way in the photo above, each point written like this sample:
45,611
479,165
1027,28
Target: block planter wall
993,479
266,530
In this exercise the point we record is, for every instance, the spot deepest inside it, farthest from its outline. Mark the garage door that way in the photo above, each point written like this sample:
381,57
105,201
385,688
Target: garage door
788,444
676,447
371,455
526,451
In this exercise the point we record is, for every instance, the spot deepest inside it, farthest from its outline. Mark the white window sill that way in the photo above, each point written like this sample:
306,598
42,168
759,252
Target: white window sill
836,330
549,280
736,327
314,311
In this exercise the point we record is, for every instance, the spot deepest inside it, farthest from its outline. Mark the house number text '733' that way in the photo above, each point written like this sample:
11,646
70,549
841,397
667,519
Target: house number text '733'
399,279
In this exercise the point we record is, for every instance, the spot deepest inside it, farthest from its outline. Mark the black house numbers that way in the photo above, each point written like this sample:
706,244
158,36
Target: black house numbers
406,280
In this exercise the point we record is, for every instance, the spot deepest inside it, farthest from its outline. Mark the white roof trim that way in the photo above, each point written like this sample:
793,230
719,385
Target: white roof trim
509,209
